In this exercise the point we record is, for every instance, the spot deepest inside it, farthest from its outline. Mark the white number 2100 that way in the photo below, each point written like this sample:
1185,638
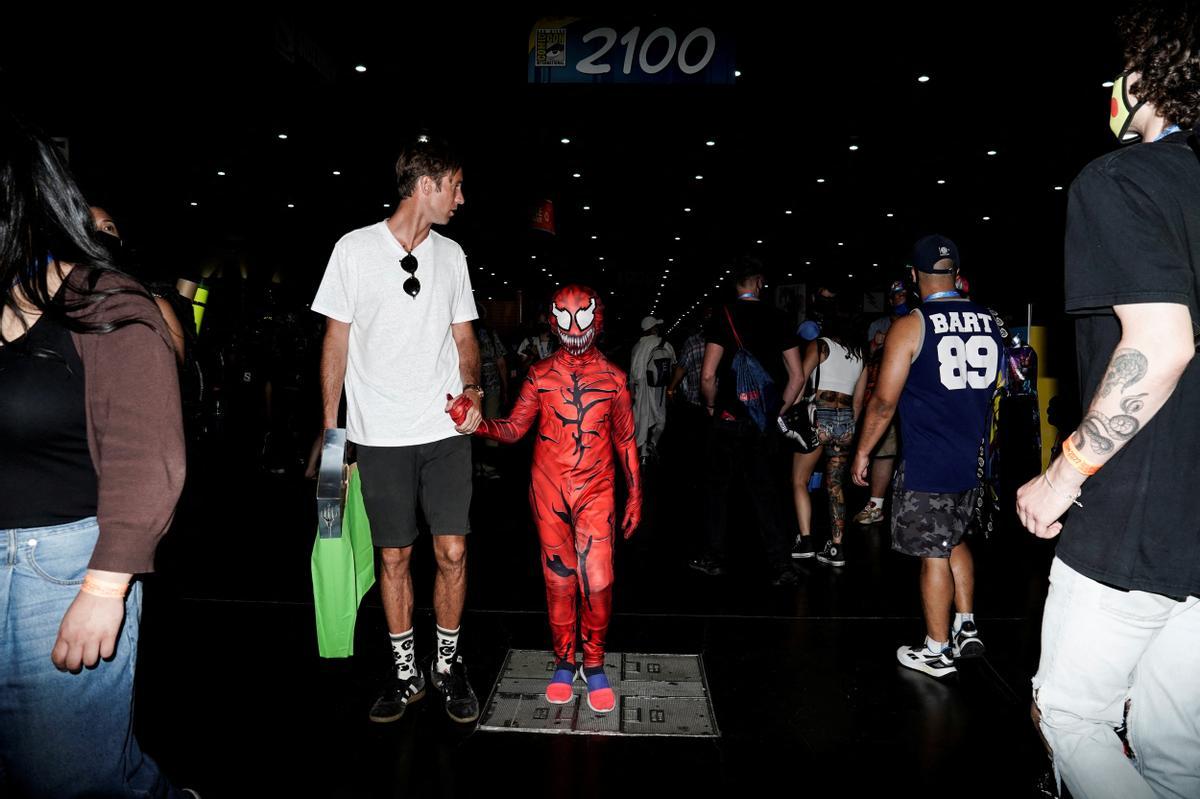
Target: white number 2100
968,363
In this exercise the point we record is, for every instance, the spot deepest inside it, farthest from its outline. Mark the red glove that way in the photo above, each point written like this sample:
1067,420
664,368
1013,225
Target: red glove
458,411
633,516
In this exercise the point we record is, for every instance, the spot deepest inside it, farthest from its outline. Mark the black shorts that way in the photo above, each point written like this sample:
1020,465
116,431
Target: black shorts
929,525
396,481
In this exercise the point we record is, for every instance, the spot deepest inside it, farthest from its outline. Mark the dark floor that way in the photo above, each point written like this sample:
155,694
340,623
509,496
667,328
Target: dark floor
233,700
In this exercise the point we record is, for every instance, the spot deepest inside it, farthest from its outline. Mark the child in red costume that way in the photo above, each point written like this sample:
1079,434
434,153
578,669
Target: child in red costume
582,405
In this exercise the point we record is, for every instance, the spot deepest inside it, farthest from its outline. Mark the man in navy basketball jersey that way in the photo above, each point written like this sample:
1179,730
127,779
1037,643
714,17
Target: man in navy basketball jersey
939,371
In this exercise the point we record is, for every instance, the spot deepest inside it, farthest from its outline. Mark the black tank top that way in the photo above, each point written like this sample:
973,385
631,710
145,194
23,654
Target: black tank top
46,471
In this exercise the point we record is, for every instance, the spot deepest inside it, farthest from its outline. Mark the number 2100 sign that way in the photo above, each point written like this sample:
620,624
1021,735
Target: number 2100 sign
691,55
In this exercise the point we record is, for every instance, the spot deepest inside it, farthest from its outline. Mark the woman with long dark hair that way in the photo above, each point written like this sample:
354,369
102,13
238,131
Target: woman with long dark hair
836,360
91,466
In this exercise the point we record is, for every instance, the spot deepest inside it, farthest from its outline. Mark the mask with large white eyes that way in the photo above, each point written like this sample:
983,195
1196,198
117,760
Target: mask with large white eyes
585,316
562,316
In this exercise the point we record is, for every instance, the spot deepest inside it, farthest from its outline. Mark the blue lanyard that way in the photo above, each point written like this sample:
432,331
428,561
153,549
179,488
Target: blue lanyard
749,295
1168,132
937,295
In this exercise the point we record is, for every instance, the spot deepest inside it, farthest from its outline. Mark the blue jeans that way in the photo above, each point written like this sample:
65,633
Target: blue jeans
64,734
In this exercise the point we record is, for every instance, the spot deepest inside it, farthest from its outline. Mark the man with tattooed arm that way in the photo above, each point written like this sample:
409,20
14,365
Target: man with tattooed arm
1121,628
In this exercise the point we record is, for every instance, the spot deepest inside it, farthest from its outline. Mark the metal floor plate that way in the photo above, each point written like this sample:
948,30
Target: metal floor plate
657,695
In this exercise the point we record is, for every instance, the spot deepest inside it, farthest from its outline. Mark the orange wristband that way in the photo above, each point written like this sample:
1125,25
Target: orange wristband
1077,461
103,589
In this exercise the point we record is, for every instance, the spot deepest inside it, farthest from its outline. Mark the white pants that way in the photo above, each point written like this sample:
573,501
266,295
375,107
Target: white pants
649,415
1101,646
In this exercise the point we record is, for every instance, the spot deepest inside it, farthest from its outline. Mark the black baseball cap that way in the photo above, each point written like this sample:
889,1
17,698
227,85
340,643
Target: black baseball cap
931,249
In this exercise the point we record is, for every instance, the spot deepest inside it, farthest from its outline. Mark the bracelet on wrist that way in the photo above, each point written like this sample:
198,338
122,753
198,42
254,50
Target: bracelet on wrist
104,589
1077,461
1073,497
478,389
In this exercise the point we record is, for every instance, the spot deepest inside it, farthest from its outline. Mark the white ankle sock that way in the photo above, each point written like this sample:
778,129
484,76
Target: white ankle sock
447,648
935,646
402,650
877,502
959,618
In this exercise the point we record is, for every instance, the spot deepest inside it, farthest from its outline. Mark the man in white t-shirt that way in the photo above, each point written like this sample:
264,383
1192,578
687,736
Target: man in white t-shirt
399,339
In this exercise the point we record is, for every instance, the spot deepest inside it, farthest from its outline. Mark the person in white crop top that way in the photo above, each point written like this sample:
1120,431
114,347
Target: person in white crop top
839,384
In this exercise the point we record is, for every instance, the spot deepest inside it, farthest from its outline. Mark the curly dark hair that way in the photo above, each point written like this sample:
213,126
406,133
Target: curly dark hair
1162,44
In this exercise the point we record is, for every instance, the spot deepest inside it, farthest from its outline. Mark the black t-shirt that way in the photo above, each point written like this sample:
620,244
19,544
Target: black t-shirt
765,332
1133,236
46,471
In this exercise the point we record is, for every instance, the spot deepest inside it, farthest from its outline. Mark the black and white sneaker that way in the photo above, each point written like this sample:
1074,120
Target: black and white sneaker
935,664
457,695
966,641
832,555
803,547
397,696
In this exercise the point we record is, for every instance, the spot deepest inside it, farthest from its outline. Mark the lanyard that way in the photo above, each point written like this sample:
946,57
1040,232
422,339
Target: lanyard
749,295
937,295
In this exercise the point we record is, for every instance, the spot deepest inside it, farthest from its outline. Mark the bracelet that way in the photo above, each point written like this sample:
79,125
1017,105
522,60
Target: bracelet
103,589
474,387
1077,461
1064,495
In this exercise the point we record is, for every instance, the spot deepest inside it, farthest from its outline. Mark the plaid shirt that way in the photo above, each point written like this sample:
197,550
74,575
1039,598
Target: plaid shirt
690,360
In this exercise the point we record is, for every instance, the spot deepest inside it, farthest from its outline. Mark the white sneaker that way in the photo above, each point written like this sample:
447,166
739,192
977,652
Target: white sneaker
935,664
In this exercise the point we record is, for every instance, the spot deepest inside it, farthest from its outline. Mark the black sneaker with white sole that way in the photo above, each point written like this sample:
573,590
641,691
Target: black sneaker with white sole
803,547
457,695
832,555
397,696
935,664
966,641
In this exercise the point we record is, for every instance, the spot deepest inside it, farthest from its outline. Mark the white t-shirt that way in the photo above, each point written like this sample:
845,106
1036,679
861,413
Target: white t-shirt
402,359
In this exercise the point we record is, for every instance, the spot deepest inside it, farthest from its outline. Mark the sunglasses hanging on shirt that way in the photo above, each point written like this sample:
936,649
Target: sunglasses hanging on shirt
412,286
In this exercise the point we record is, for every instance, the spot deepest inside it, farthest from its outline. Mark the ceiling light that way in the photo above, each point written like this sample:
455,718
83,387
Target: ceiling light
576,175
360,68
699,177
853,148
1058,188
222,174
291,205
986,218
283,135
737,73
711,143
336,173
890,215
565,140
992,152
587,207
788,212
941,183
820,180
1108,84
923,79
194,204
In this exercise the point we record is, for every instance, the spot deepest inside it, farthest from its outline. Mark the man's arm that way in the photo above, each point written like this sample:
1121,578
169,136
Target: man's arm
795,383
708,374
468,369
333,369
898,350
1156,347
676,379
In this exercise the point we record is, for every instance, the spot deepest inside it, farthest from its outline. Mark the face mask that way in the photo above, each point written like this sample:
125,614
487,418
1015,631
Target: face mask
111,244
901,309
1121,113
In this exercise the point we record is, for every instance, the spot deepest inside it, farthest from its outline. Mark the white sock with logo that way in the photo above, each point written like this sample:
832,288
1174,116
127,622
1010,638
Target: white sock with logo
447,648
403,647
959,618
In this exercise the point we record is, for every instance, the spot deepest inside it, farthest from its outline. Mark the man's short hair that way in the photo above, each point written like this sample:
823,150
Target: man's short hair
424,155
1162,44
745,268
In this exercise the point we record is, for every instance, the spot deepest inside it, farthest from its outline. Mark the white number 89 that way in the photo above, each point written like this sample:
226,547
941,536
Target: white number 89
971,363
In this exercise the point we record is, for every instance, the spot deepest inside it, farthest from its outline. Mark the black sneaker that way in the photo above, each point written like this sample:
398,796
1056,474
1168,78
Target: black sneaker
966,641
707,566
785,577
457,696
832,555
803,547
396,697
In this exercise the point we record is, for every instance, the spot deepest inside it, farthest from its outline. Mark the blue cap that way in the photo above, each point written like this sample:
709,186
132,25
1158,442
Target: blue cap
931,249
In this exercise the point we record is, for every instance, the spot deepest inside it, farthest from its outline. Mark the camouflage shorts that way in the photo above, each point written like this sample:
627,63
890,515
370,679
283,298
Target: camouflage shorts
927,525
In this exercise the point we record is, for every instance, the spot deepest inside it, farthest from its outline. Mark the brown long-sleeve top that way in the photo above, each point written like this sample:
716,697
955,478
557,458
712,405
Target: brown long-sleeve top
134,425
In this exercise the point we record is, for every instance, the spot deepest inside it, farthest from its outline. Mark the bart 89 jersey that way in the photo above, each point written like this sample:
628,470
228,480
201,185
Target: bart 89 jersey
944,406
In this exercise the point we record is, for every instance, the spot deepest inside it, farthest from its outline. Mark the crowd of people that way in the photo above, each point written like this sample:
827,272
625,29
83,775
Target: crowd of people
93,369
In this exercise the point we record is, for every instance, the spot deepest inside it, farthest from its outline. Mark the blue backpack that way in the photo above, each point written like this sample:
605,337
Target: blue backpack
754,388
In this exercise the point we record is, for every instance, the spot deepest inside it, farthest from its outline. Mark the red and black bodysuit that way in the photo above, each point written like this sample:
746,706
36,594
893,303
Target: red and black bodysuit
582,406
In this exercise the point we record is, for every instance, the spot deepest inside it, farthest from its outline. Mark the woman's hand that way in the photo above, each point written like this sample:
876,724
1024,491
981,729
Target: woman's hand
88,632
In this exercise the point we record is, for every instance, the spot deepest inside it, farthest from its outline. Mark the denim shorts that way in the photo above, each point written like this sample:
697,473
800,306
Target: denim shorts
834,424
